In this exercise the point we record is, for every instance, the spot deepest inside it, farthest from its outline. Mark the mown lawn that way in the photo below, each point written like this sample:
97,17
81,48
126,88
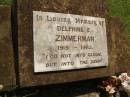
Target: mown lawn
121,8
5,2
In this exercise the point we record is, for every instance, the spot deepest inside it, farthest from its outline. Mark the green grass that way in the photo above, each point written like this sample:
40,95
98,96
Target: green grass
5,2
121,8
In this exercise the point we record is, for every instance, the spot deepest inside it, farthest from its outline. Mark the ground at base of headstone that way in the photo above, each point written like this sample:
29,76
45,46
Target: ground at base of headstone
46,93
93,94
87,88
64,92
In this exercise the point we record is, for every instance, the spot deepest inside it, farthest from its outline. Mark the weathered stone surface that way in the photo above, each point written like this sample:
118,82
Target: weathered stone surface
118,48
57,46
7,72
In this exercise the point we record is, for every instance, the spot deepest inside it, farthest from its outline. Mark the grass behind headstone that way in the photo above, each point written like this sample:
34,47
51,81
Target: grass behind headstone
121,8
5,2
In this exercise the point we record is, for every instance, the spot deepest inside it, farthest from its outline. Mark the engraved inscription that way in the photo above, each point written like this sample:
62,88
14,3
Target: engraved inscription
68,41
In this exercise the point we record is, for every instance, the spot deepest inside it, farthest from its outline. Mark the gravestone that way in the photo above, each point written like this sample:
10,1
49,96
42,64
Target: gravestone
48,36
67,41
7,68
